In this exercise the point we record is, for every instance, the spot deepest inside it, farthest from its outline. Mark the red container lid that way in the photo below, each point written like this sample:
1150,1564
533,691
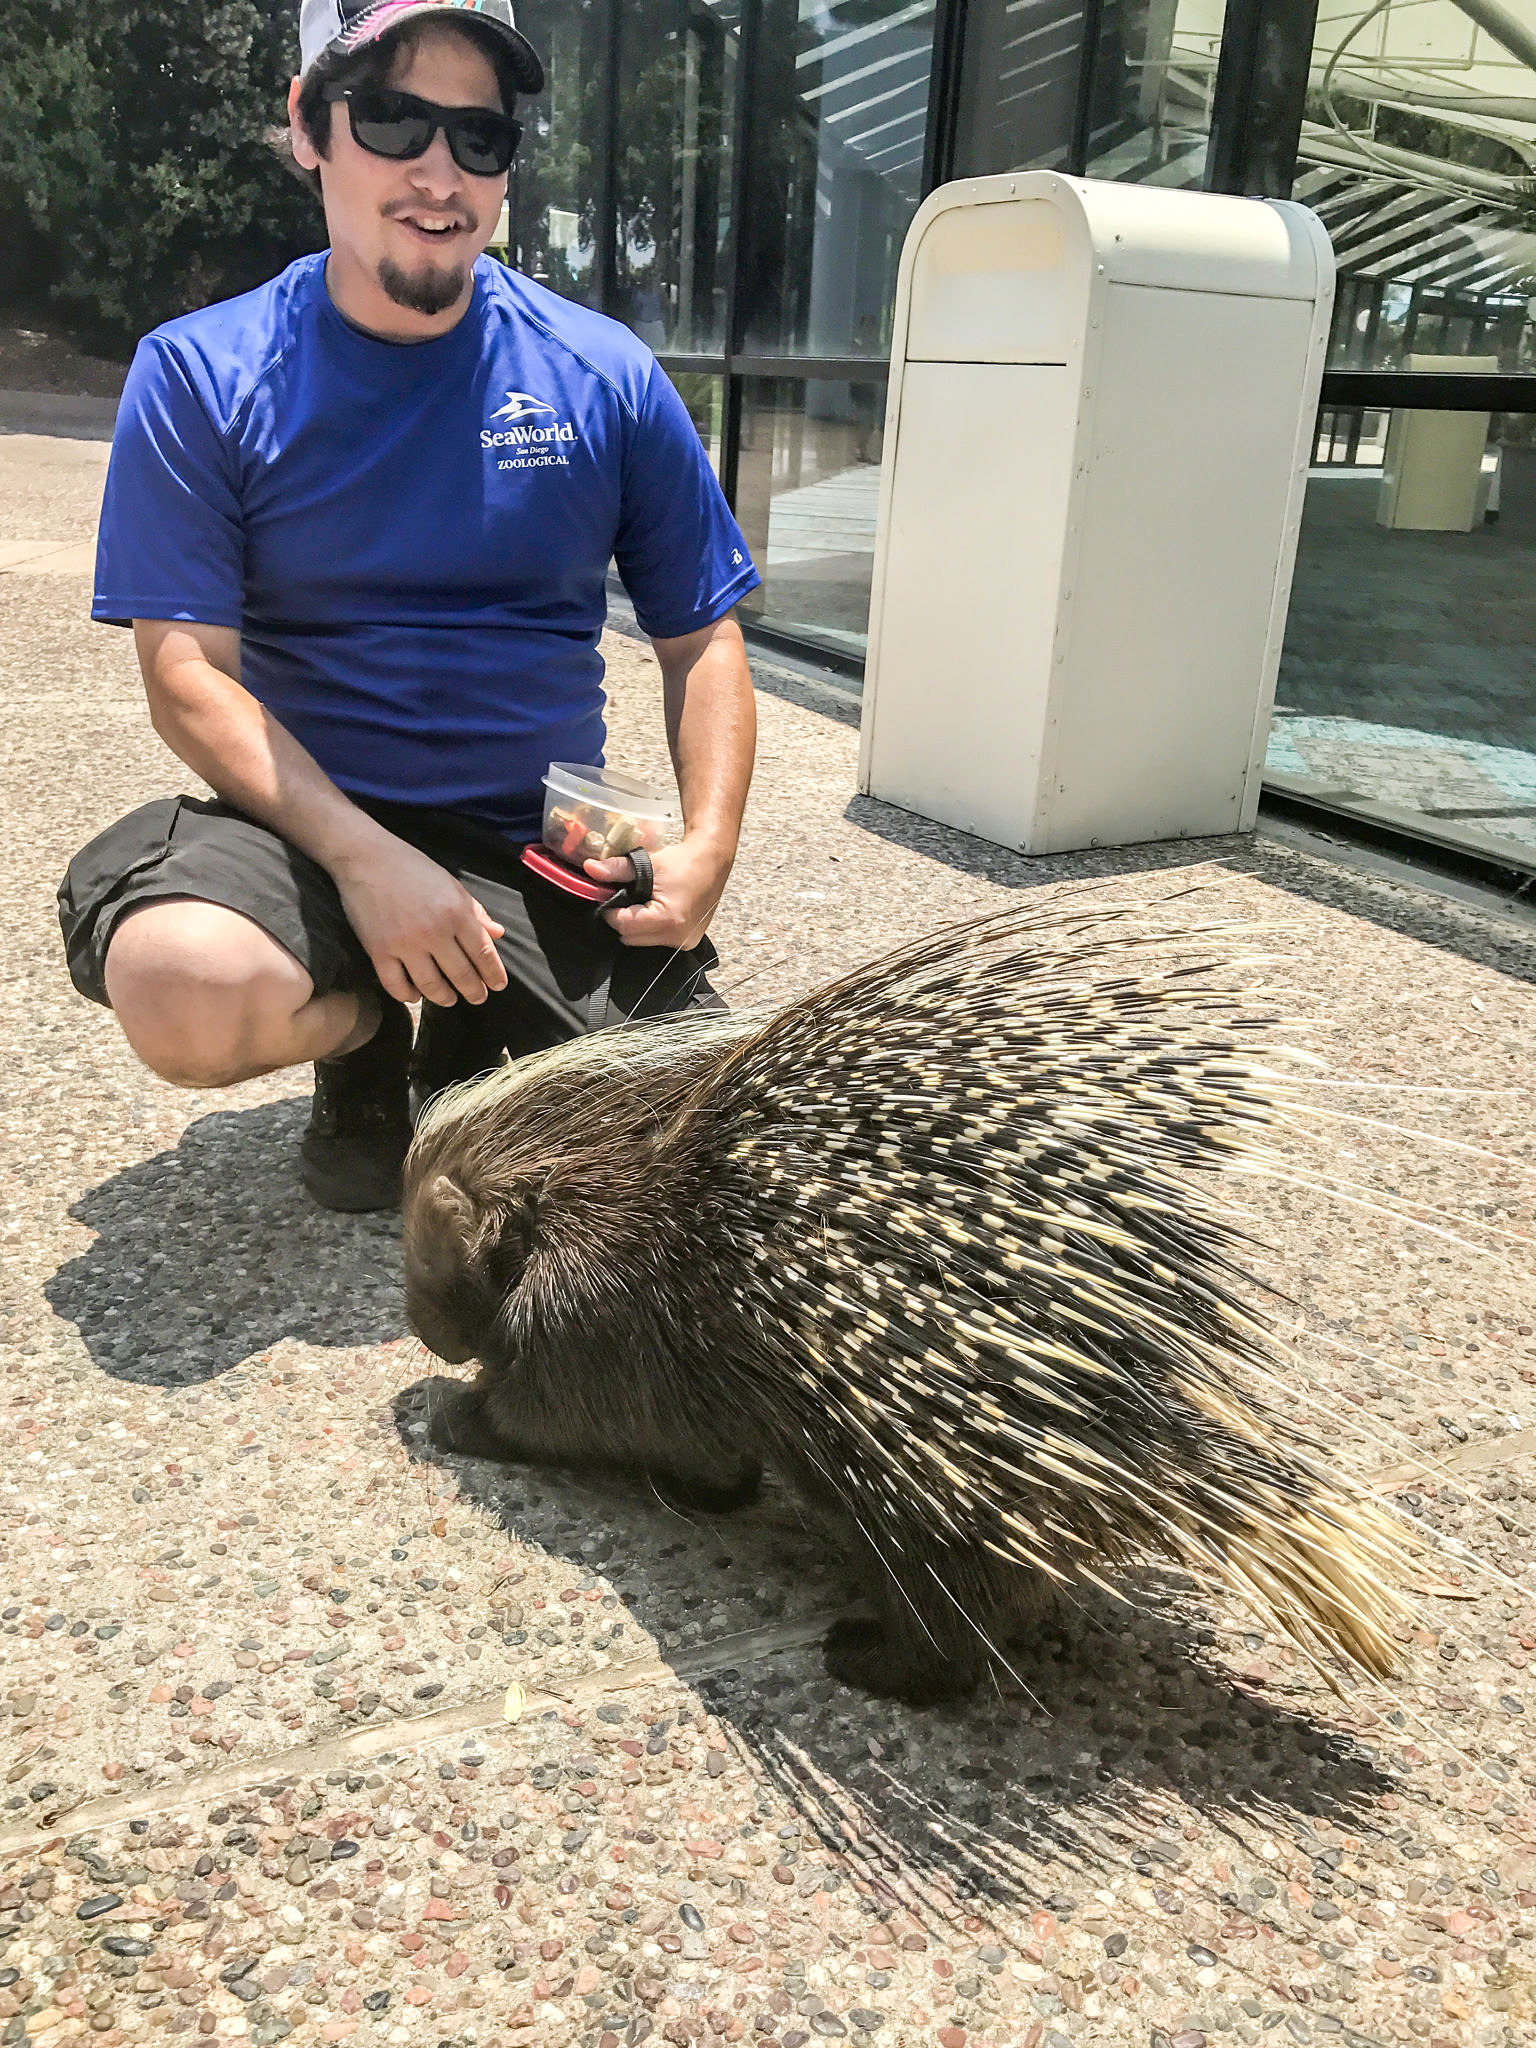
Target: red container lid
570,879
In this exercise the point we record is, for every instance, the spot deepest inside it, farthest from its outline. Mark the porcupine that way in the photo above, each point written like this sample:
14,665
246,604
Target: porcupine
928,1241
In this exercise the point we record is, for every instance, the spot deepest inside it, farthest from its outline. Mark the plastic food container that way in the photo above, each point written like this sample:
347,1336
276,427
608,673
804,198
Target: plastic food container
599,813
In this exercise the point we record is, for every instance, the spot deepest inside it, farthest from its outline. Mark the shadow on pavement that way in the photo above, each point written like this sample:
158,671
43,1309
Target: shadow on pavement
1088,1758
1088,1761
968,854
211,1252
1159,867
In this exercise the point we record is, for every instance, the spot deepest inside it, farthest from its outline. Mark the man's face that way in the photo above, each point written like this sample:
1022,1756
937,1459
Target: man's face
412,229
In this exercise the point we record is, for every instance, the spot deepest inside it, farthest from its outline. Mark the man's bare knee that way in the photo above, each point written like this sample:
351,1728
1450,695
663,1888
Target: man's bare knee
186,1064
201,993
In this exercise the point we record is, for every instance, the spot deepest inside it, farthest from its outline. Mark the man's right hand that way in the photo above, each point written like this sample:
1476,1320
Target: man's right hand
425,934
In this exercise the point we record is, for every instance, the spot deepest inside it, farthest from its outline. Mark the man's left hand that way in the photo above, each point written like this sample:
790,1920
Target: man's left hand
690,880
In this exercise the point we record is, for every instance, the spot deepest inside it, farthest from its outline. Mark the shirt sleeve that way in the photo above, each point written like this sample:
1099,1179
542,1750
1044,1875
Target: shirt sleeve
171,543
680,554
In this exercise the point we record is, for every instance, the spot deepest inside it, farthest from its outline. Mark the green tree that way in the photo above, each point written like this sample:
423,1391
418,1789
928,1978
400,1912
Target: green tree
135,158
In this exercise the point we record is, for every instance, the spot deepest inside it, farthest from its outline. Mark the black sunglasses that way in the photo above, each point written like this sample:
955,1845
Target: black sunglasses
400,126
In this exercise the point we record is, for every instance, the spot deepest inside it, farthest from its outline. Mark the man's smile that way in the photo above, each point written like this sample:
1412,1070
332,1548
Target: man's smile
428,225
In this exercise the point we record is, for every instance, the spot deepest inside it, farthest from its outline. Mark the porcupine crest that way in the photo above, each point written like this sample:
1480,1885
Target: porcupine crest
933,1241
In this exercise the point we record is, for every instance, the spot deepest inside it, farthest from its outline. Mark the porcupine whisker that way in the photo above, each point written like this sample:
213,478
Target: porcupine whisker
734,988
1452,1546
1354,1351
895,1579
1295,1114
635,1017
1439,1541
1336,1188
1008,923
1368,1432
1401,1131
1371,1434
1406,1087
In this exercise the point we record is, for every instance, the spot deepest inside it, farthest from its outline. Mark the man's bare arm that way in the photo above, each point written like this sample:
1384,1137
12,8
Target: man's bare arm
712,732
426,935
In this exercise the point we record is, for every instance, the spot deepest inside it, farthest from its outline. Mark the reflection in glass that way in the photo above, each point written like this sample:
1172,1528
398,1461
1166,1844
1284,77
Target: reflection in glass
841,106
1018,96
1154,70
1409,673
1419,152
554,193
677,73
807,489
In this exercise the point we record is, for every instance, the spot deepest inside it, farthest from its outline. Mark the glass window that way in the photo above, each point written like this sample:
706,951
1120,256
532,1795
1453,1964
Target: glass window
1018,96
554,193
1409,674
1419,152
677,73
1408,680
704,397
840,108
1154,71
807,489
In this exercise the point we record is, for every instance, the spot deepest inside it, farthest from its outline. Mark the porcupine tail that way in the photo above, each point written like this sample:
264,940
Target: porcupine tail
1313,1558
1324,1572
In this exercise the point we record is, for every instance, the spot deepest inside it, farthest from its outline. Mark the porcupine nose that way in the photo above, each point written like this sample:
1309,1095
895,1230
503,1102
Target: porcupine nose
439,1331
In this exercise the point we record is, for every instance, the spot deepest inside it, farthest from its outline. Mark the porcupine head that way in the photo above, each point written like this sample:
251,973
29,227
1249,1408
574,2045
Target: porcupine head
933,1242
552,1236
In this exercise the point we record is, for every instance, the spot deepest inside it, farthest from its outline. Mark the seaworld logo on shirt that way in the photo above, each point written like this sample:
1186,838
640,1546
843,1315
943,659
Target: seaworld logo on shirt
519,405
536,443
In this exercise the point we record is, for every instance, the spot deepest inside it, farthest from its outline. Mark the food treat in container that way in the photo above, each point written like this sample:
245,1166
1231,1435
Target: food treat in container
600,813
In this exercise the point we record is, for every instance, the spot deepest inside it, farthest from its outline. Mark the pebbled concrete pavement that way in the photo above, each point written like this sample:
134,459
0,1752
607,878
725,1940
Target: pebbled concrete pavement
307,1735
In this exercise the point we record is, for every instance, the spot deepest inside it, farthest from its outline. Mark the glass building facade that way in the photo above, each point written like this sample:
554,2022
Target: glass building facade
734,179
1408,689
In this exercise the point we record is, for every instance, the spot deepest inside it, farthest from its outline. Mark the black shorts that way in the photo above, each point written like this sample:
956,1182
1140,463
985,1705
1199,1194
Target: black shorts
568,971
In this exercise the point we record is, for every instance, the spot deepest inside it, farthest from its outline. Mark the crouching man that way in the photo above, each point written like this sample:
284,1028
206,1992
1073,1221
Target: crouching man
360,521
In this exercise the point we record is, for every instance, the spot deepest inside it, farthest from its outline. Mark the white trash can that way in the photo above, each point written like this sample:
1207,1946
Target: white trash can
1436,476
1098,429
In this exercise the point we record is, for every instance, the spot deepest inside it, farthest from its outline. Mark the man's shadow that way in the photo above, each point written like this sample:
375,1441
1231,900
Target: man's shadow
213,1251
1083,1757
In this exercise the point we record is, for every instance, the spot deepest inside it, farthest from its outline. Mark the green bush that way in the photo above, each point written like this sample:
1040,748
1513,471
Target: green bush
133,139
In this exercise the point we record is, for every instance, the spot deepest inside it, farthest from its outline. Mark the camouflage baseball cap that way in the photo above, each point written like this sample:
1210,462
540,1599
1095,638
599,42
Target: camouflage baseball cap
350,24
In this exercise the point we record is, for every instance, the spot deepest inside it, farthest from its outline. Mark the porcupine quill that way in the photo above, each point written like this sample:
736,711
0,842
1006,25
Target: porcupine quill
932,1242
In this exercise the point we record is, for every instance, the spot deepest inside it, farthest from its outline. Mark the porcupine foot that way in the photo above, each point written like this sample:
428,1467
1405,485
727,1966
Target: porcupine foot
943,1613
458,1424
873,1657
691,1493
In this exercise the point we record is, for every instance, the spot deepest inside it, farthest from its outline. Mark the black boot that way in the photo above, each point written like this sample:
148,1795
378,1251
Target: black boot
454,1045
360,1125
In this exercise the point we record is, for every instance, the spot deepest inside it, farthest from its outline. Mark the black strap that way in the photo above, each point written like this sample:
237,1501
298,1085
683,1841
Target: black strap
641,889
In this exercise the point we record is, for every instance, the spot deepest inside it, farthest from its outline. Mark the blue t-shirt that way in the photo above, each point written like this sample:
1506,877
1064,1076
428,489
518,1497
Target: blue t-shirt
413,539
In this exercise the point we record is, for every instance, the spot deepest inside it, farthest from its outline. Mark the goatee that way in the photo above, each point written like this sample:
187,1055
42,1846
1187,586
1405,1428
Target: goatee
422,291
